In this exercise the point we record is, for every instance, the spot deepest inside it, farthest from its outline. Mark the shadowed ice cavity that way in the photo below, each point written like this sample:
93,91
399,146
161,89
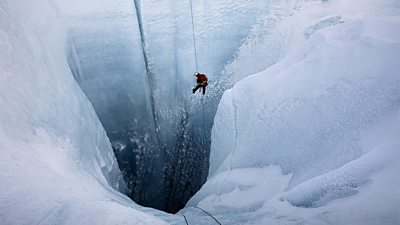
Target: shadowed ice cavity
137,69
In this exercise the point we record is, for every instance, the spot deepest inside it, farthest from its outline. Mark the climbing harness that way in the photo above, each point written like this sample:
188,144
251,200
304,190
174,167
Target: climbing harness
194,36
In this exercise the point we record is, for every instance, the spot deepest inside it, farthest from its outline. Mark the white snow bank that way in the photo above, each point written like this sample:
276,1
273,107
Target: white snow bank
346,180
367,187
306,111
240,188
314,114
57,165
288,24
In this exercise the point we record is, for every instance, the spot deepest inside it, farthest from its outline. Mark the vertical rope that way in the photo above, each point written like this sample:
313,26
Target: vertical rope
194,36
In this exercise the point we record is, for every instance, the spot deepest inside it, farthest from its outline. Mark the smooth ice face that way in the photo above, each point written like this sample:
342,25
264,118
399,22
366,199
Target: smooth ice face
106,58
56,163
38,96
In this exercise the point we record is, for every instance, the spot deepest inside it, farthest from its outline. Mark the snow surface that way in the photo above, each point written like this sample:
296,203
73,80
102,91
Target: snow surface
57,165
314,139
286,25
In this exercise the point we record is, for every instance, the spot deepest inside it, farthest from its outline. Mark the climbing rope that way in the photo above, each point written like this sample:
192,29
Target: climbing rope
194,36
208,214
205,213
185,219
197,67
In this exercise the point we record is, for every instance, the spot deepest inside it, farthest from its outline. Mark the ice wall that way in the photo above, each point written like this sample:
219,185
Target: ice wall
294,134
56,162
290,25
311,121
106,56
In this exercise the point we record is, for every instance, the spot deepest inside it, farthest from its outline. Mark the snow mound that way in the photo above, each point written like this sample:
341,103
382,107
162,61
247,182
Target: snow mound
311,115
310,107
57,165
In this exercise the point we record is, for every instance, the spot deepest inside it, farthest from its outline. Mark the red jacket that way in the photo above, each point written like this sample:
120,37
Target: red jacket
201,79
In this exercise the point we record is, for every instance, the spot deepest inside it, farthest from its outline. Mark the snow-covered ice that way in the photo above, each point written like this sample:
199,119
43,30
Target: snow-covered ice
323,125
308,133
57,165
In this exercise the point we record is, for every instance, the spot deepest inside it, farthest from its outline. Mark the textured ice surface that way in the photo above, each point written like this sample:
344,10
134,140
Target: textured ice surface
328,116
57,165
313,120
286,25
318,129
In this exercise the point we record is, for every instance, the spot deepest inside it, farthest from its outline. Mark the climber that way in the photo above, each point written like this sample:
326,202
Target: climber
202,82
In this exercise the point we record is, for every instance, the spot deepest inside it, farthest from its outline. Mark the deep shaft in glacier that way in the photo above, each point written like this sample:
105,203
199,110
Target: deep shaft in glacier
136,67
163,156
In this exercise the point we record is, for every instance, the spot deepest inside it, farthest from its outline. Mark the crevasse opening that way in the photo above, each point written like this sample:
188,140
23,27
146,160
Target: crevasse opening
137,68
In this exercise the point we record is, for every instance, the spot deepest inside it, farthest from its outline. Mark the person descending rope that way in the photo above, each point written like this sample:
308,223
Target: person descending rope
202,82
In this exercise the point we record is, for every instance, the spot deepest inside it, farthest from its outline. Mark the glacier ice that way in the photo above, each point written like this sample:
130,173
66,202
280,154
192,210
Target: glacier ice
57,163
311,138
311,115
